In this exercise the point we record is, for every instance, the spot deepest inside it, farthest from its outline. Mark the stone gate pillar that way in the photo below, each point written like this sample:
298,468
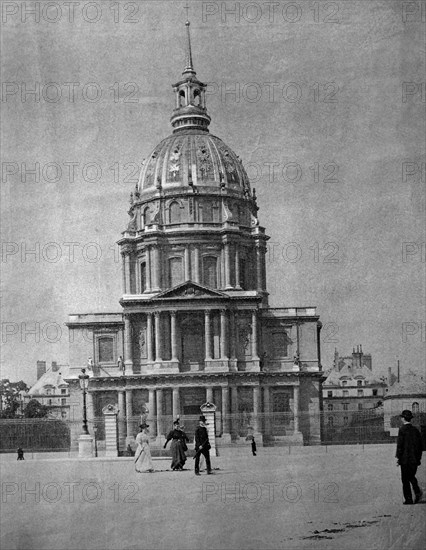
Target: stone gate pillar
209,411
110,413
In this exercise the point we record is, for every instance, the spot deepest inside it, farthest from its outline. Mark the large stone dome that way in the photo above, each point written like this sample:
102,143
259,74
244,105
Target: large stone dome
193,157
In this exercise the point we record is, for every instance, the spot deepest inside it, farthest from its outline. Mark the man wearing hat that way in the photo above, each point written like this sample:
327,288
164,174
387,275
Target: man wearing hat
408,454
202,446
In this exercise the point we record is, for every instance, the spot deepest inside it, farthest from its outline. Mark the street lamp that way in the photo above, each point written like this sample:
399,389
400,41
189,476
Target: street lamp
84,384
95,431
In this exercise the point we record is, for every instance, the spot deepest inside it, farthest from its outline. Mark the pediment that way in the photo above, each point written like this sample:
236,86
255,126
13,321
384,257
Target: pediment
189,290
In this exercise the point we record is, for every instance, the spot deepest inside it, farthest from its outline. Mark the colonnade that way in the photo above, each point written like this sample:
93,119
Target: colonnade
228,336
229,267
260,415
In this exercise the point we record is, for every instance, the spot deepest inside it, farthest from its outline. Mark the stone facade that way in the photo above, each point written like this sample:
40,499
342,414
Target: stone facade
195,325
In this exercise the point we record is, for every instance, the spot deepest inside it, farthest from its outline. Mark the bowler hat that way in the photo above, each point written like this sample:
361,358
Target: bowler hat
143,426
203,418
408,415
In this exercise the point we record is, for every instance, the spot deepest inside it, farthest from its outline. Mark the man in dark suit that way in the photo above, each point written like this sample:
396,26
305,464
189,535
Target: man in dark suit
408,454
202,446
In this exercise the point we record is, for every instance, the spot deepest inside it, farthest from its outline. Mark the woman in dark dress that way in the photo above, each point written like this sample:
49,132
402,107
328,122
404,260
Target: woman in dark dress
178,446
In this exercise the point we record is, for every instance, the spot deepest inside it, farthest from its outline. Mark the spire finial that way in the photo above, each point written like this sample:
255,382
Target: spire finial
189,68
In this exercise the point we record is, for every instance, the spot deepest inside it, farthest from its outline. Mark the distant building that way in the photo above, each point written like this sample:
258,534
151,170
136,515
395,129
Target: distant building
51,390
408,393
352,395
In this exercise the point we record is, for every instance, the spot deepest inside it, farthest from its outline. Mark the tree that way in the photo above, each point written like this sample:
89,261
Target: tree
35,409
9,397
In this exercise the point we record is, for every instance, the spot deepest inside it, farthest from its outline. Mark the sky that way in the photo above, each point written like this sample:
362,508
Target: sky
324,103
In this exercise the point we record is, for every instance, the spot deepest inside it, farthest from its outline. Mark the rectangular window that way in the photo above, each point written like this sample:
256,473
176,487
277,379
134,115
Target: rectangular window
360,393
345,393
175,272
279,344
344,383
345,420
63,401
375,393
63,391
345,406
360,406
359,382
329,394
106,350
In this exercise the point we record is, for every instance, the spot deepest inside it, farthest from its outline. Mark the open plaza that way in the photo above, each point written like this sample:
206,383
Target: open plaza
319,497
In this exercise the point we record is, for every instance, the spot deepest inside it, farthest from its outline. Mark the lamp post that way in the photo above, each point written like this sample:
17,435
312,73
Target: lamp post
85,441
95,431
84,384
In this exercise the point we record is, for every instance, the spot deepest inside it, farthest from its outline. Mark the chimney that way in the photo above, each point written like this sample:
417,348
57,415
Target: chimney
41,369
54,366
398,371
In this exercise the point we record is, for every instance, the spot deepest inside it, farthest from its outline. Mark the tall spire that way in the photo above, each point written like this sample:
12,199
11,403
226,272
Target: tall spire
189,68
190,108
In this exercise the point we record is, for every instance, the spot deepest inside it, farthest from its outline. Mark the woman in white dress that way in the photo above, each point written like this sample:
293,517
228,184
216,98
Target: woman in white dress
143,460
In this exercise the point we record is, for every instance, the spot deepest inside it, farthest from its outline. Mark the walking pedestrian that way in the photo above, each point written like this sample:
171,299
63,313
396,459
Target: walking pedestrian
202,446
143,460
20,452
178,446
408,454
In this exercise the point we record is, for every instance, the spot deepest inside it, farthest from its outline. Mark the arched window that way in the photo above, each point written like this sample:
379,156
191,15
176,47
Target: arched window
181,98
105,349
175,272
330,406
143,277
196,96
415,407
146,216
210,271
174,212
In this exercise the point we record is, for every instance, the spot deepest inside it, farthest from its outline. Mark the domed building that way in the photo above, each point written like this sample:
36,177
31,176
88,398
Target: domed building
196,326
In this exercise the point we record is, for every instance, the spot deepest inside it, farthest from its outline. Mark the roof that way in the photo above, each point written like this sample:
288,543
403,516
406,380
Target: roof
410,384
50,378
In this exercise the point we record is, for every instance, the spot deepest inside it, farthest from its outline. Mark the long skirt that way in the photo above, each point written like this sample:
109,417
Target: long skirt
178,454
143,461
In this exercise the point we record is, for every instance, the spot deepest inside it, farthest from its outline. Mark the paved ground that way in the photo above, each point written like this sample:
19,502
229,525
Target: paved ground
346,498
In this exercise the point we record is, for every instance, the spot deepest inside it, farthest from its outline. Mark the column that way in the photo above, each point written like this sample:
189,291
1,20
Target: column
159,397
157,336
123,272
90,408
151,414
128,362
173,335
296,391
259,282
128,274
237,267
138,289
157,268
148,269
149,337
234,410
233,335
254,354
197,278
227,266
226,434
129,415
209,394
267,409
186,265
121,419
223,339
207,335
175,403
256,398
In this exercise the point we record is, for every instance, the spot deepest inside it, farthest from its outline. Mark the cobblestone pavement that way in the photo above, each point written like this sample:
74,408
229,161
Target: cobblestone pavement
346,498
